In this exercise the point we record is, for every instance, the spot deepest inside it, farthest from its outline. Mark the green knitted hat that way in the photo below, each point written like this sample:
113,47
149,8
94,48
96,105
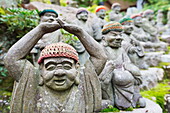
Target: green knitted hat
125,20
47,10
112,26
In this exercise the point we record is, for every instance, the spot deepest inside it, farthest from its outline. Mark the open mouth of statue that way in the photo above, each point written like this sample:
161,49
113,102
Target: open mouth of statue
60,82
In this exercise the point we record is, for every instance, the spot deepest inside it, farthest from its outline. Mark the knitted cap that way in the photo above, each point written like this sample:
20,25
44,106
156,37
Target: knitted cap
47,10
114,5
112,26
126,20
136,15
148,11
81,10
58,50
99,8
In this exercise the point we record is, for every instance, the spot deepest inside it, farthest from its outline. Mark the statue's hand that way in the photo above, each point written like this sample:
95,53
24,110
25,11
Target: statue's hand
47,27
71,28
106,74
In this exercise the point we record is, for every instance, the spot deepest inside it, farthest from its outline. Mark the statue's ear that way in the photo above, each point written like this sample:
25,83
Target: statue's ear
104,40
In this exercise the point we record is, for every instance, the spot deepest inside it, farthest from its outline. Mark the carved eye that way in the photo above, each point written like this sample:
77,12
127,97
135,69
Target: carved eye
67,66
50,67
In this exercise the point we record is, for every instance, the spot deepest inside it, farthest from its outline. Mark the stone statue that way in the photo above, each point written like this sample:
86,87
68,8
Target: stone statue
82,21
47,15
98,23
145,38
58,85
132,46
115,14
159,19
168,16
120,79
149,25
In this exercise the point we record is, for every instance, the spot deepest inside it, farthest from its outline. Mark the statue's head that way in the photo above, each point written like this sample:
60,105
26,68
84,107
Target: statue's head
101,12
116,7
48,15
148,14
58,66
112,34
82,14
127,25
137,18
79,47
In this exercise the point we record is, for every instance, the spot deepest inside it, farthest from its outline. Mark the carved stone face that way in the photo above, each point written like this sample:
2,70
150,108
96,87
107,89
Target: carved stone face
79,46
59,73
117,9
128,27
101,13
138,21
82,16
48,17
114,39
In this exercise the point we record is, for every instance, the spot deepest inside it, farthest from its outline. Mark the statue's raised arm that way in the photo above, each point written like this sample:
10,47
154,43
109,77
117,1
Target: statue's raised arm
95,50
15,58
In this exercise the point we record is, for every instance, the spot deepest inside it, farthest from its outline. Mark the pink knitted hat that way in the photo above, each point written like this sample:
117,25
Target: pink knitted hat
58,50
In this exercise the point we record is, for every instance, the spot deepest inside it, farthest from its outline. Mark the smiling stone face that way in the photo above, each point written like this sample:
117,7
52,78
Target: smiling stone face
59,73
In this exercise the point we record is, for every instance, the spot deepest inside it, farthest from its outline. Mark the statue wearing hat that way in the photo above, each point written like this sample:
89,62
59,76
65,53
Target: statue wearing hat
58,85
115,14
131,45
120,78
47,15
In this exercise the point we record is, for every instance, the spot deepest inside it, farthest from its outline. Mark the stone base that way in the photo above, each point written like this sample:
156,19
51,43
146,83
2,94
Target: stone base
151,107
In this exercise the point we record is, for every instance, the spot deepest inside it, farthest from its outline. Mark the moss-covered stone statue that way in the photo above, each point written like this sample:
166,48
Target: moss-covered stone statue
115,14
131,45
120,79
58,86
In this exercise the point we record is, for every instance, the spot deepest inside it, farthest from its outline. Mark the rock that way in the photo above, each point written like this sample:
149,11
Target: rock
165,58
151,77
153,58
8,3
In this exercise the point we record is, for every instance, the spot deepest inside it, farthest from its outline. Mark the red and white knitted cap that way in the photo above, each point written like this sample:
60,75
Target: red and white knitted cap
58,50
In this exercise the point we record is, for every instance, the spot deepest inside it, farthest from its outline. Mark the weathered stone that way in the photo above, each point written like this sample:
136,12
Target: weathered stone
8,3
59,85
151,77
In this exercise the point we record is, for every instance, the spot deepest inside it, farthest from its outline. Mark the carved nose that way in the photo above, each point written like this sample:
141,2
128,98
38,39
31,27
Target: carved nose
59,72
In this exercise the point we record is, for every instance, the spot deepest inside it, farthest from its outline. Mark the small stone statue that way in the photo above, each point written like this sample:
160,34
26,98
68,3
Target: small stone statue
168,16
47,15
120,79
115,14
82,21
149,25
58,86
98,23
145,38
133,47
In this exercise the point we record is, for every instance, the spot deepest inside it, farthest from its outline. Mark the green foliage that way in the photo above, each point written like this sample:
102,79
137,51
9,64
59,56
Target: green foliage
68,38
156,5
86,3
110,108
129,109
63,3
158,93
18,20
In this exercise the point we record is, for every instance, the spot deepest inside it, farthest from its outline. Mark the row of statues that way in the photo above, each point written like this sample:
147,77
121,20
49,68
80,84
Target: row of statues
101,68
